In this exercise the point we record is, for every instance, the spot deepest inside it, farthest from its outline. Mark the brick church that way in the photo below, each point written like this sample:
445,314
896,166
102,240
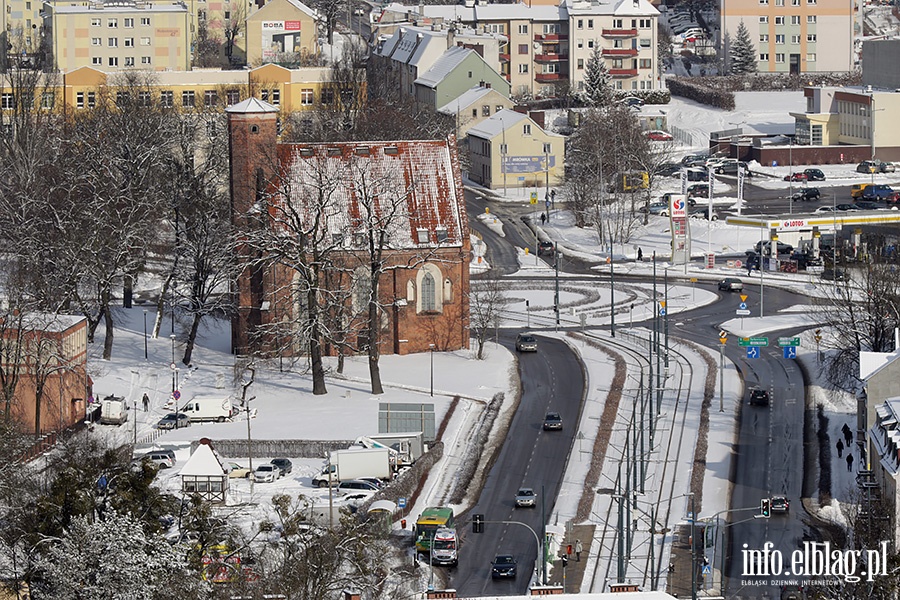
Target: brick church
333,214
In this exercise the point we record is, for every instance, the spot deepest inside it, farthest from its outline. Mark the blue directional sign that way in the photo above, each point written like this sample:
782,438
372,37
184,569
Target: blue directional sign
401,502
742,306
790,351
662,312
752,351
706,570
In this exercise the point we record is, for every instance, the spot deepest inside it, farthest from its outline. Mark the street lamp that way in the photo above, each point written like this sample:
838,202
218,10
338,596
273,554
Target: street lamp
431,347
174,386
145,334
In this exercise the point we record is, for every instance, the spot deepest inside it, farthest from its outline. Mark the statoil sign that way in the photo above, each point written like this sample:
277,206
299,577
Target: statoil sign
794,224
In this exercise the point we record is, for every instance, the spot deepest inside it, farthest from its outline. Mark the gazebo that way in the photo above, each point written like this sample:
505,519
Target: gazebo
204,475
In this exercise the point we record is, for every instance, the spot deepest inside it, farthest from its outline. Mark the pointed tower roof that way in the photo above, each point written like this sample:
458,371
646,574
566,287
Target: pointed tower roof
252,105
203,462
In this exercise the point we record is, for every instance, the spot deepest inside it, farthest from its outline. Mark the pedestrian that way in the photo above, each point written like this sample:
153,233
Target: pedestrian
848,434
640,255
849,462
578,549
146,400
840,447
543,218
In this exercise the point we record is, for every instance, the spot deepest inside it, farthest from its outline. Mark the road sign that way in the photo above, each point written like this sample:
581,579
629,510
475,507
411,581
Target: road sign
662,312
547,203
754,341
789,351
401,502
534,197
742,313
176,394
742,306
752,352
744,297
788,341
706,570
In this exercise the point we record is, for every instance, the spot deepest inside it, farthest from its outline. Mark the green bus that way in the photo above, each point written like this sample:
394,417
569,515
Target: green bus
432,519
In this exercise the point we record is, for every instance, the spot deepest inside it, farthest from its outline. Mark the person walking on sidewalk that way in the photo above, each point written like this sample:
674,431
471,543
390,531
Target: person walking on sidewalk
146,401
840,447
578,549
849,462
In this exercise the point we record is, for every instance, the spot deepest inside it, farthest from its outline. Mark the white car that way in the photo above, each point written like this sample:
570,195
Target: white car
266,473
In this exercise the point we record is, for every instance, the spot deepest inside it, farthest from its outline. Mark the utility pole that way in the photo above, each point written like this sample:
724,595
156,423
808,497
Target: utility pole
620,566
666,318
612,293
556,292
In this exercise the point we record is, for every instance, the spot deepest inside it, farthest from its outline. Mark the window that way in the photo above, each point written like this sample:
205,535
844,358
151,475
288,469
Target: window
763,2
526,129
811,19
580,43
646,63
503,149
145,21
795,19
486,110
795,2
97,60
95,22
114,61
548,149
306,97
187,98
145,60
590,23
145,41
92,99
580,63
113,42
167,99
474,113
811,38
764,38
618,44
763,20
470,74
523,68
144,98
779,2
523,48
646,23
422,235
779,58
128,22
122,98
764,56
552,68
112,23
590,43
276,97
232,96
617,23
811,57
96,42
210,98
47,100
227,15
645,42
580,24
429,293
550,28
810,1
7,101
795,39
79,100
264,95
523,29
779,38
129,61
128,42
779,20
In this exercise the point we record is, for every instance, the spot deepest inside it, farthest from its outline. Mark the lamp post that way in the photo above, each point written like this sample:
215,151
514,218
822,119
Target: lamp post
174,385
431,347
791,175
145,334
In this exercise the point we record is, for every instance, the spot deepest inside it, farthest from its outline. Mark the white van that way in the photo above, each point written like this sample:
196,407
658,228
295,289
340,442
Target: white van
208,408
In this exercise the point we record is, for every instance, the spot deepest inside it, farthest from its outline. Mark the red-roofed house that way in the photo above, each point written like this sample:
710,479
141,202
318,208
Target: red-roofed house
346,200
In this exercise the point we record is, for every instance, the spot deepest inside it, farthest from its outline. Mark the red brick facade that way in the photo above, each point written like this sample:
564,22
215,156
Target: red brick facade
412,190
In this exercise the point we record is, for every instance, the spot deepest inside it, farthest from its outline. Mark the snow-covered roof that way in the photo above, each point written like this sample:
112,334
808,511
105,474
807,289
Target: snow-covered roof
415,181
610,7
414,46
203,463
467,98
39,321
445,65
871,363
252,105
490,12
498,122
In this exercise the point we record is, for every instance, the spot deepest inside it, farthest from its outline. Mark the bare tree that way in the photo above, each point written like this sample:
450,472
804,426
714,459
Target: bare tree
488,299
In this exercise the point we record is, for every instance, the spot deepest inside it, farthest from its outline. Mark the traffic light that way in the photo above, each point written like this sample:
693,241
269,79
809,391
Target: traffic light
765,507
477,523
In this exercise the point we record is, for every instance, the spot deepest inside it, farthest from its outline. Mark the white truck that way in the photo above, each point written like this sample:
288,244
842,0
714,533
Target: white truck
207,408
113,410
406,448
345,465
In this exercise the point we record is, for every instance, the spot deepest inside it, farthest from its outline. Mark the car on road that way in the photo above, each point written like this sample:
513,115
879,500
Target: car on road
173,421
780,504
810,193
655,208
284,465
266,473
834,274
698,190
236,471
525,498
798,176
879,192
545,248
824,209
526,342
657,135
759,397
552,421
703,213
846,206
503,567
814,174
731,284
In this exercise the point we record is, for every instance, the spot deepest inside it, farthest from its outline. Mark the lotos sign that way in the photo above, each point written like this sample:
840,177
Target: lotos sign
794,224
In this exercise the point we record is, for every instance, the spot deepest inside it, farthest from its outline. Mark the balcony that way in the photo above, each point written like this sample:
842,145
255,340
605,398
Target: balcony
619,33
615,52
504,58
622,73
549,77
551,38
550,57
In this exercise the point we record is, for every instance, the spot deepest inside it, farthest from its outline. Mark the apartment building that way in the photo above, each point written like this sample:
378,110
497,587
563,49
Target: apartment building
546,47
281,29
793,36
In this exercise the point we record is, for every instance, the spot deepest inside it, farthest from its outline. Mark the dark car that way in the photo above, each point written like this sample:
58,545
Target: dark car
876,192
799,176
868,205
173,421
732,167
846,206
668,169
697,174
780,504
782,248
694,159
703,213
503,567
810,193
545,248
698,190
834,274
759,397
632,101
875,166
553,421
731,284
284,465
814,174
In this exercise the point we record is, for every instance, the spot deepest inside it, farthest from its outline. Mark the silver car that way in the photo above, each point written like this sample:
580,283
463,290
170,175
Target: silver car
525,498
266,473
526,343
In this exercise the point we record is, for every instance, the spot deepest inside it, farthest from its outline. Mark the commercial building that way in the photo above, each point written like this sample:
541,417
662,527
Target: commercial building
282,30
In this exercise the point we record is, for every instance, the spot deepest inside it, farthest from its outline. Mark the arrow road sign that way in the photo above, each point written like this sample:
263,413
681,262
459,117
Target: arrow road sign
742,306
742,313
790,351
788,341
754,341
662,312
752,352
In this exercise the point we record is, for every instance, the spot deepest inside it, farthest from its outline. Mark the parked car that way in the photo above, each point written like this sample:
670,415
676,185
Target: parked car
669,169
173,421
667,198
657,135
693,32
869,205
875,166
731,167
759,397
284,465
698,190
357,485
503,567
164,459
655,208
824,209
879,192
632,101
374,481
552,421
236,471
779,504
526,343
703,213
799,176
814,174
697,174
692,160
810,193
845,206
731,284
525,498
266,473
832,274
781,248
545,248
857,189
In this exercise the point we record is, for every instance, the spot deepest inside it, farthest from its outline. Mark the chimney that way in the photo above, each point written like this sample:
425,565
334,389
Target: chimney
538,117
487,84
351,595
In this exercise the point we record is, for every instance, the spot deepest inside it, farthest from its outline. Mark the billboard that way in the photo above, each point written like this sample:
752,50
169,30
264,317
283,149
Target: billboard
527,164
279,37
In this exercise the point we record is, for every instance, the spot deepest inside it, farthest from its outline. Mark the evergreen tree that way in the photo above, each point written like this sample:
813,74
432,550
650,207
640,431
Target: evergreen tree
743,52
597,88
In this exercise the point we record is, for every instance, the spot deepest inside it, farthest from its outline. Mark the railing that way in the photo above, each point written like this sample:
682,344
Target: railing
620,52
546,77
553,37
613,33
623,72
550,57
